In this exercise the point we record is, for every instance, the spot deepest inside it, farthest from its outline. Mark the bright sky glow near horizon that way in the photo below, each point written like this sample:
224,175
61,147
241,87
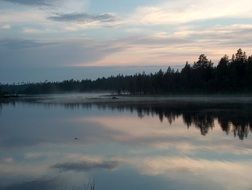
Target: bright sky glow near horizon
38,36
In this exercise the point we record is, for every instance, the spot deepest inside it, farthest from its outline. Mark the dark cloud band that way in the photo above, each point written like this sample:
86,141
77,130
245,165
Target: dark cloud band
83,17
30,2
85,165
20,43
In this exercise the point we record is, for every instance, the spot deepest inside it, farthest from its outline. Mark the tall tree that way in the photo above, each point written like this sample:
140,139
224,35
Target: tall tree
202,72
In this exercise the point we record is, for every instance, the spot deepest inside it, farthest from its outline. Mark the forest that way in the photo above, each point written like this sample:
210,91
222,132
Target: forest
230,75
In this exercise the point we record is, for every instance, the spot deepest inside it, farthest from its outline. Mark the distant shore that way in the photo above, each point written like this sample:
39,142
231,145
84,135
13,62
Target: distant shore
82,98
6,96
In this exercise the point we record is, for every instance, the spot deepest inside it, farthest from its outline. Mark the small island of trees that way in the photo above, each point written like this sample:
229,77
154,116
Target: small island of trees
228,76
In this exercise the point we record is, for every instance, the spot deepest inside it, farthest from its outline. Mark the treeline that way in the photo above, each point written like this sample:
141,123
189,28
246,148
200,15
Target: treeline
1,93
228,76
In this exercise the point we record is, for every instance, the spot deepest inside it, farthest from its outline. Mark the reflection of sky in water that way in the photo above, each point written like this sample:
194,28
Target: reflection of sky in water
118,149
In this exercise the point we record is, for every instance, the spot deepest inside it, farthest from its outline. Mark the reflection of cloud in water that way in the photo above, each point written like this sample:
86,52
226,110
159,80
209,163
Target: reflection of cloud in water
84,166
150,133
34,132
39,184
17,172
109,136
232,118
219,172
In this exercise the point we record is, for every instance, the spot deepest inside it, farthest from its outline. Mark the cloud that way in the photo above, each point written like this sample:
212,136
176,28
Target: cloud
236,34
32,31
30,2
6,26
70,6
23,17
50,6
197,29
181,45
20,43
83,166
24,53
156,39
184,11
8,160
83,17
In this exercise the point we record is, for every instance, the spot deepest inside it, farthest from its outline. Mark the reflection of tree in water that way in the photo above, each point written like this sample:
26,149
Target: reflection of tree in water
236,122
199,119
231,118
239,123
234,118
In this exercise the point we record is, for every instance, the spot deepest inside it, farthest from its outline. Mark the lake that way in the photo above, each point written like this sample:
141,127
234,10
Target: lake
153,143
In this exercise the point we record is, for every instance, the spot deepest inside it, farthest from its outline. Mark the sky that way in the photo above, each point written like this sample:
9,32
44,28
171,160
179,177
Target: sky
61,39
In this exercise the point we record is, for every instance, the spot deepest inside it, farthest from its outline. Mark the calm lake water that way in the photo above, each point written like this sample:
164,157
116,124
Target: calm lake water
54,143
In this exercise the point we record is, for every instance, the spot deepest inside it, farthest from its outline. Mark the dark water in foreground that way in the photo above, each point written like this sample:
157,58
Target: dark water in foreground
125,145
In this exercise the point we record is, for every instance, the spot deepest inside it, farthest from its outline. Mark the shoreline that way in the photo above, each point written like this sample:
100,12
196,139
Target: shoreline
82,98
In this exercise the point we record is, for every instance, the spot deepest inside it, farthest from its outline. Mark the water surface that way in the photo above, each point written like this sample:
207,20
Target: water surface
47,143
